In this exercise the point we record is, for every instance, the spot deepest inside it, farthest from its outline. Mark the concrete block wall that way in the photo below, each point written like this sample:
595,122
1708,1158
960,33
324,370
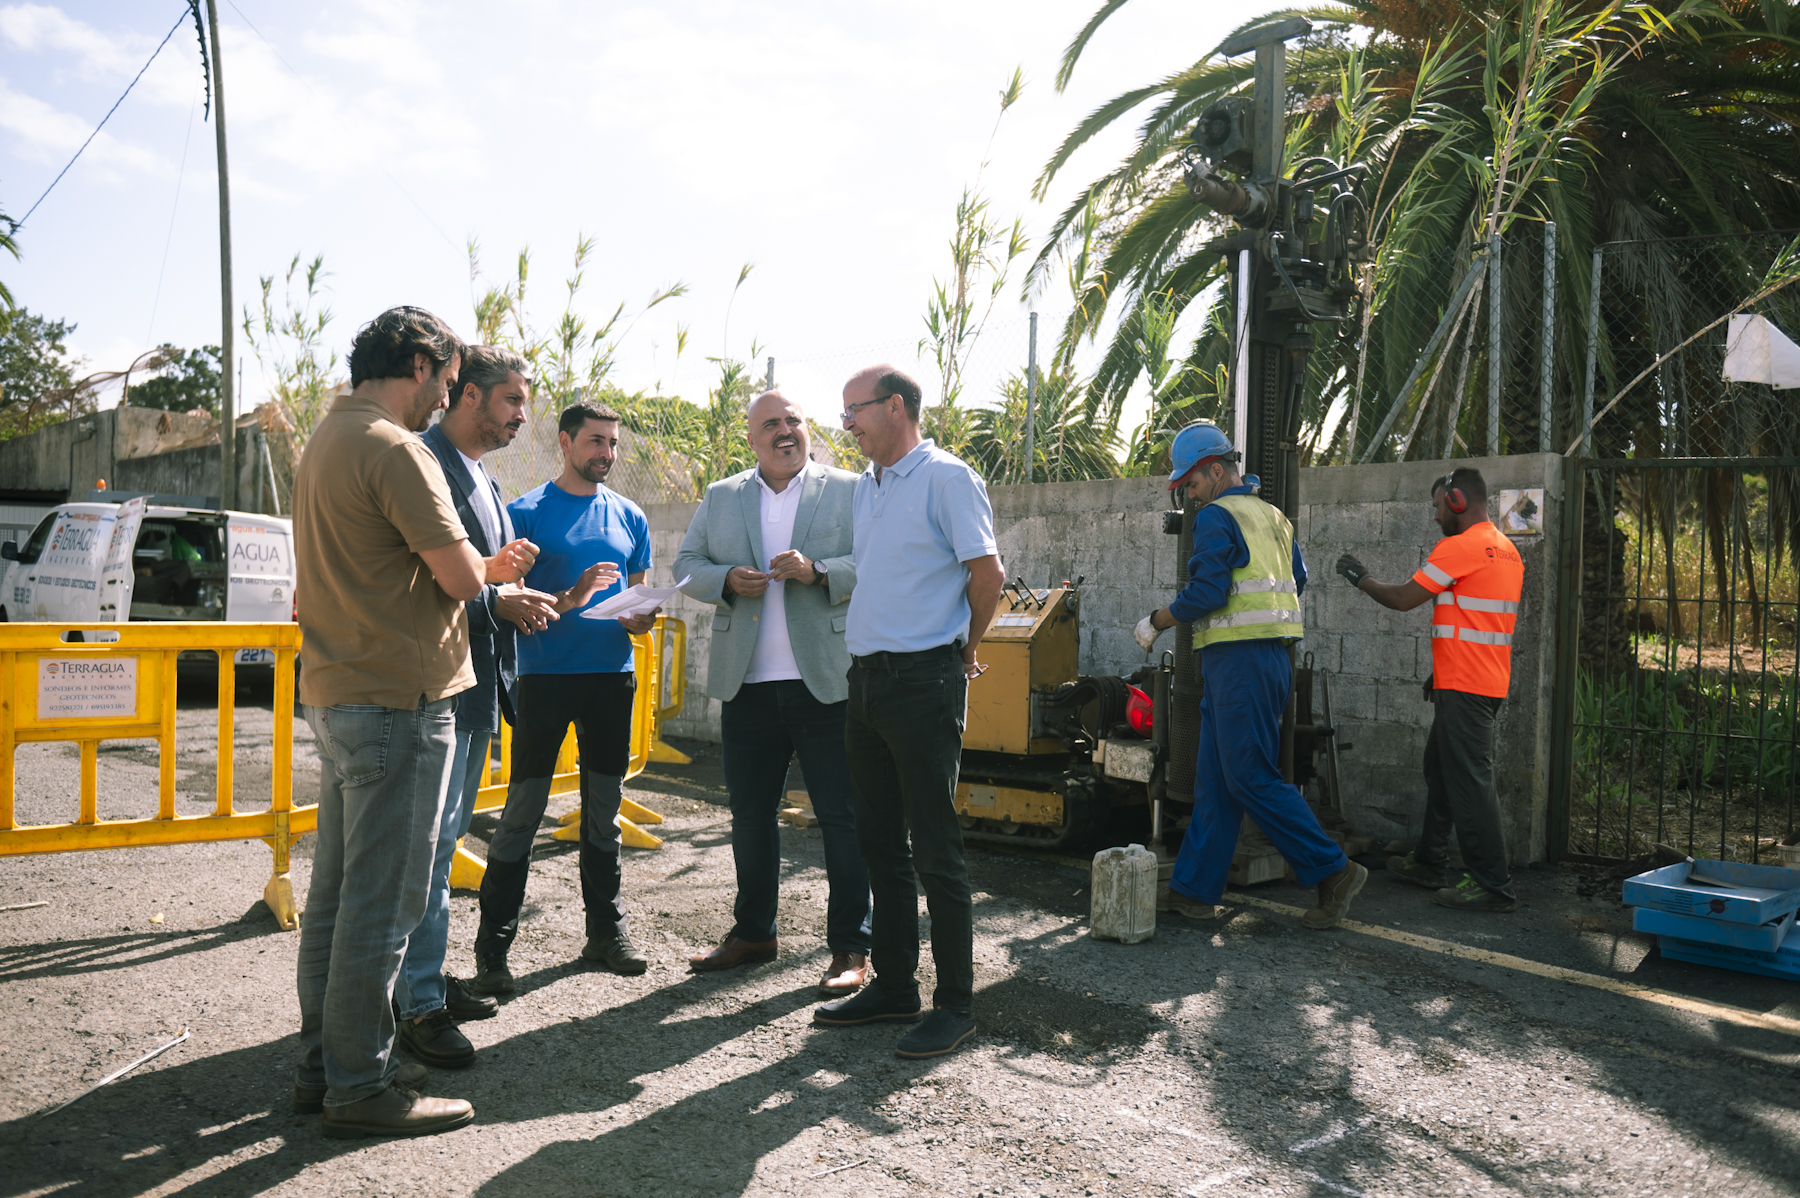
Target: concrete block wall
1379,659
1110,533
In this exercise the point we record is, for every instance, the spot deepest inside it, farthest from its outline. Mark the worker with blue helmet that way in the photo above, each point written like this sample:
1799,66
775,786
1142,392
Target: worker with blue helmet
1242,597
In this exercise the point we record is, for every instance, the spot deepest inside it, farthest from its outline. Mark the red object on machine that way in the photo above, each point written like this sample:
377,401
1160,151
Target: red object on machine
1139,712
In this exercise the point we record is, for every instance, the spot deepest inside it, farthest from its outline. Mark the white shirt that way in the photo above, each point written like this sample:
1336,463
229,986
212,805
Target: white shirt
484,493
773,658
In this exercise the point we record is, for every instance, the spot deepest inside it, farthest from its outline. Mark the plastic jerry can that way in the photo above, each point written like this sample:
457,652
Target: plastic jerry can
1124,887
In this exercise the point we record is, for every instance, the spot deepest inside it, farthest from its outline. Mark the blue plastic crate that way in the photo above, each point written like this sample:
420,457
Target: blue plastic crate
1755,894
1783,963
1759,938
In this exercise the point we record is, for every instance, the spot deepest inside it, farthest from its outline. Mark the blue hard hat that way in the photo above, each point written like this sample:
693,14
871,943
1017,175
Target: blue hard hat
1195,444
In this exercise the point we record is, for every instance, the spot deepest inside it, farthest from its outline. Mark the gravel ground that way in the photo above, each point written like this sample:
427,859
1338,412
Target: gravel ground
1244,1056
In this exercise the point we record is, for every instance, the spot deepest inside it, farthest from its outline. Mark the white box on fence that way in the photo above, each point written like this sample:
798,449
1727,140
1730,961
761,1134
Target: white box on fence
1124,886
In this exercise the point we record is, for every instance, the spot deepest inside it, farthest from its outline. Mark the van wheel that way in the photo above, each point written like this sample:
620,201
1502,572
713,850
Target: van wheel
3,616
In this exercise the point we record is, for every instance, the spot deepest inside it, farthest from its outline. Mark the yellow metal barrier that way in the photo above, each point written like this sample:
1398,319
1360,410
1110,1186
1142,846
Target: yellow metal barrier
92,690
647,713
677,685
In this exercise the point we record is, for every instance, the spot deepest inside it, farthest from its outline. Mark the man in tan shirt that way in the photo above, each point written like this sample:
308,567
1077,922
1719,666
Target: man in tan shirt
384,566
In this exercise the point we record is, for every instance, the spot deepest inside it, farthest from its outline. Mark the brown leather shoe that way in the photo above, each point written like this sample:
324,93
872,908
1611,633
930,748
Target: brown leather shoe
397,1111
310,1100
847,973
733,953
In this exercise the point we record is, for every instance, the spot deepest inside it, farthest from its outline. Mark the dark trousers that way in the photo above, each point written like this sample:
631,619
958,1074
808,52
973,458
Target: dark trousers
1238,773
599,705
1459,789
763,727
904,736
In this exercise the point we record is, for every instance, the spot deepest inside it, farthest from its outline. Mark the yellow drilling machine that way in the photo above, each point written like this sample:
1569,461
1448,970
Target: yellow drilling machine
1053,759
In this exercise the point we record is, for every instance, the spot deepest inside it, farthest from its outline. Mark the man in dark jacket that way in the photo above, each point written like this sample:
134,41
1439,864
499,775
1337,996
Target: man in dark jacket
485,413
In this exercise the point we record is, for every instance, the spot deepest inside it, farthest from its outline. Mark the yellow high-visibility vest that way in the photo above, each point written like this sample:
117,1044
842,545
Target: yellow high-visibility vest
1262,603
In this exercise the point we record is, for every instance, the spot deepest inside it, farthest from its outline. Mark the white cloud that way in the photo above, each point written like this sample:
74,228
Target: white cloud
49,136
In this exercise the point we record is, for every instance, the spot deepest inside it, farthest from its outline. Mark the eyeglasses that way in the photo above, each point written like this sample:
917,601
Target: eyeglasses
849,413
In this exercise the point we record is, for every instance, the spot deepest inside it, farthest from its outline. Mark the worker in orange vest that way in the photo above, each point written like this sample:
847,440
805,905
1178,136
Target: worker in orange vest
1476,576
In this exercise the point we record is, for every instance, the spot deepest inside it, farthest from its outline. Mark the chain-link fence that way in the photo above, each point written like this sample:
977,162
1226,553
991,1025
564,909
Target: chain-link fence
1661,307
1503,348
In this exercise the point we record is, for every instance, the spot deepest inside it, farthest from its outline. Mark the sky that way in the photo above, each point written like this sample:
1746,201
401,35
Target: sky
825,144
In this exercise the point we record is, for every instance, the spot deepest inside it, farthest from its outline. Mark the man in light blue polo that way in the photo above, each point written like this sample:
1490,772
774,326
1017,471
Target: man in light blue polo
928,575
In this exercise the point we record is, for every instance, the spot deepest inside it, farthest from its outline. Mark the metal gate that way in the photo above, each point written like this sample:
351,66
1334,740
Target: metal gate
1677,680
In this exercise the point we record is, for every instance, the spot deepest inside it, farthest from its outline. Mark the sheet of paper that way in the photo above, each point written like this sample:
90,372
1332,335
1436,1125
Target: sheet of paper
633,601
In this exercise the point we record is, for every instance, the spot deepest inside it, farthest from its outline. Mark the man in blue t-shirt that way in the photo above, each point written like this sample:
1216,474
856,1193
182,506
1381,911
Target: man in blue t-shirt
592,542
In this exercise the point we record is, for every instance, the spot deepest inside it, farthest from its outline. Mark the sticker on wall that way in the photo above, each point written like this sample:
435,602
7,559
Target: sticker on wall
1522,512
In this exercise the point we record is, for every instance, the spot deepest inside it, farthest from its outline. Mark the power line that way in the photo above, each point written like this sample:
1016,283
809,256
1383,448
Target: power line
96,133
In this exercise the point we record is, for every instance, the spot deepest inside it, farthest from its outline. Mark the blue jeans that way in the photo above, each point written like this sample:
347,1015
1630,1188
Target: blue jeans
420,989
762,728
382,775
1239,772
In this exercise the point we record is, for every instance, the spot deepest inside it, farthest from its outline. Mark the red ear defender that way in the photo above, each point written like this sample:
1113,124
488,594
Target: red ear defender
1454,499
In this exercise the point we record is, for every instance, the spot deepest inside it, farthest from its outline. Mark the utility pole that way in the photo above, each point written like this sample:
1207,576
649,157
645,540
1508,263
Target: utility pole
227,392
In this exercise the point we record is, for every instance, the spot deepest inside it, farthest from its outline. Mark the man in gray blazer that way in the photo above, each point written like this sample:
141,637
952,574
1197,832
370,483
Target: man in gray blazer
486,410
770,548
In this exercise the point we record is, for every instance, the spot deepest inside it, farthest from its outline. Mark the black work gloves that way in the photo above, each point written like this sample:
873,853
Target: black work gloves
1353,571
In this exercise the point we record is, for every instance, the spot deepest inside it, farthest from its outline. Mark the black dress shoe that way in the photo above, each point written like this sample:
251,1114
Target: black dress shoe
464,1003
617,953
870,1005
942,1032
435,1040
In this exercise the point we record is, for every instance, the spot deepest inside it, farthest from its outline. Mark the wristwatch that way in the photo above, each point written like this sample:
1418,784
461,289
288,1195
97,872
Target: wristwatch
818,573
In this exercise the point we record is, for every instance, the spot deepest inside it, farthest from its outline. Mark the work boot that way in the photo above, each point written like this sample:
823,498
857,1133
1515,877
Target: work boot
1410,869
397,1111
491,976
617,953
436,1040
1176,903
310,1100
1335,894
1470,895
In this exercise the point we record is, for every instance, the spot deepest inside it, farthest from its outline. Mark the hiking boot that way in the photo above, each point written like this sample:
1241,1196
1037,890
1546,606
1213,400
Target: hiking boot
1335,894
617,953
436,1040
397,1111
464,1003
870,1005
491,976
310,1100
942,1032
1470,895
1410,869
1180,904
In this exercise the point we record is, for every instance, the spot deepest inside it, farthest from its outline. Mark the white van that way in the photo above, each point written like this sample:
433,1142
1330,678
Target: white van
138,560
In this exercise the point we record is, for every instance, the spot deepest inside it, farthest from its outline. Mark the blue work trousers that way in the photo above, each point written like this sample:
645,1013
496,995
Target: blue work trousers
420,989
762,729
382,776
1239,773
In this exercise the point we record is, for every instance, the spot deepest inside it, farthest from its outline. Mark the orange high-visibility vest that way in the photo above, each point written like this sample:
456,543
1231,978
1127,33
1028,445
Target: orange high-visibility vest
1477,577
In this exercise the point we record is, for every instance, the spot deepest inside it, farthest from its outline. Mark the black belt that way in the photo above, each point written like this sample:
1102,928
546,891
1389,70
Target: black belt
895,661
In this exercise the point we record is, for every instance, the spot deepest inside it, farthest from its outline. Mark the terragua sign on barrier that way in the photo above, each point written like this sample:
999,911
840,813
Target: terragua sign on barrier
73,689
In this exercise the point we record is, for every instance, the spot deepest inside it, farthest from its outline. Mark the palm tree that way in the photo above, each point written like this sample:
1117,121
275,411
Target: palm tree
1613,121
1068,446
